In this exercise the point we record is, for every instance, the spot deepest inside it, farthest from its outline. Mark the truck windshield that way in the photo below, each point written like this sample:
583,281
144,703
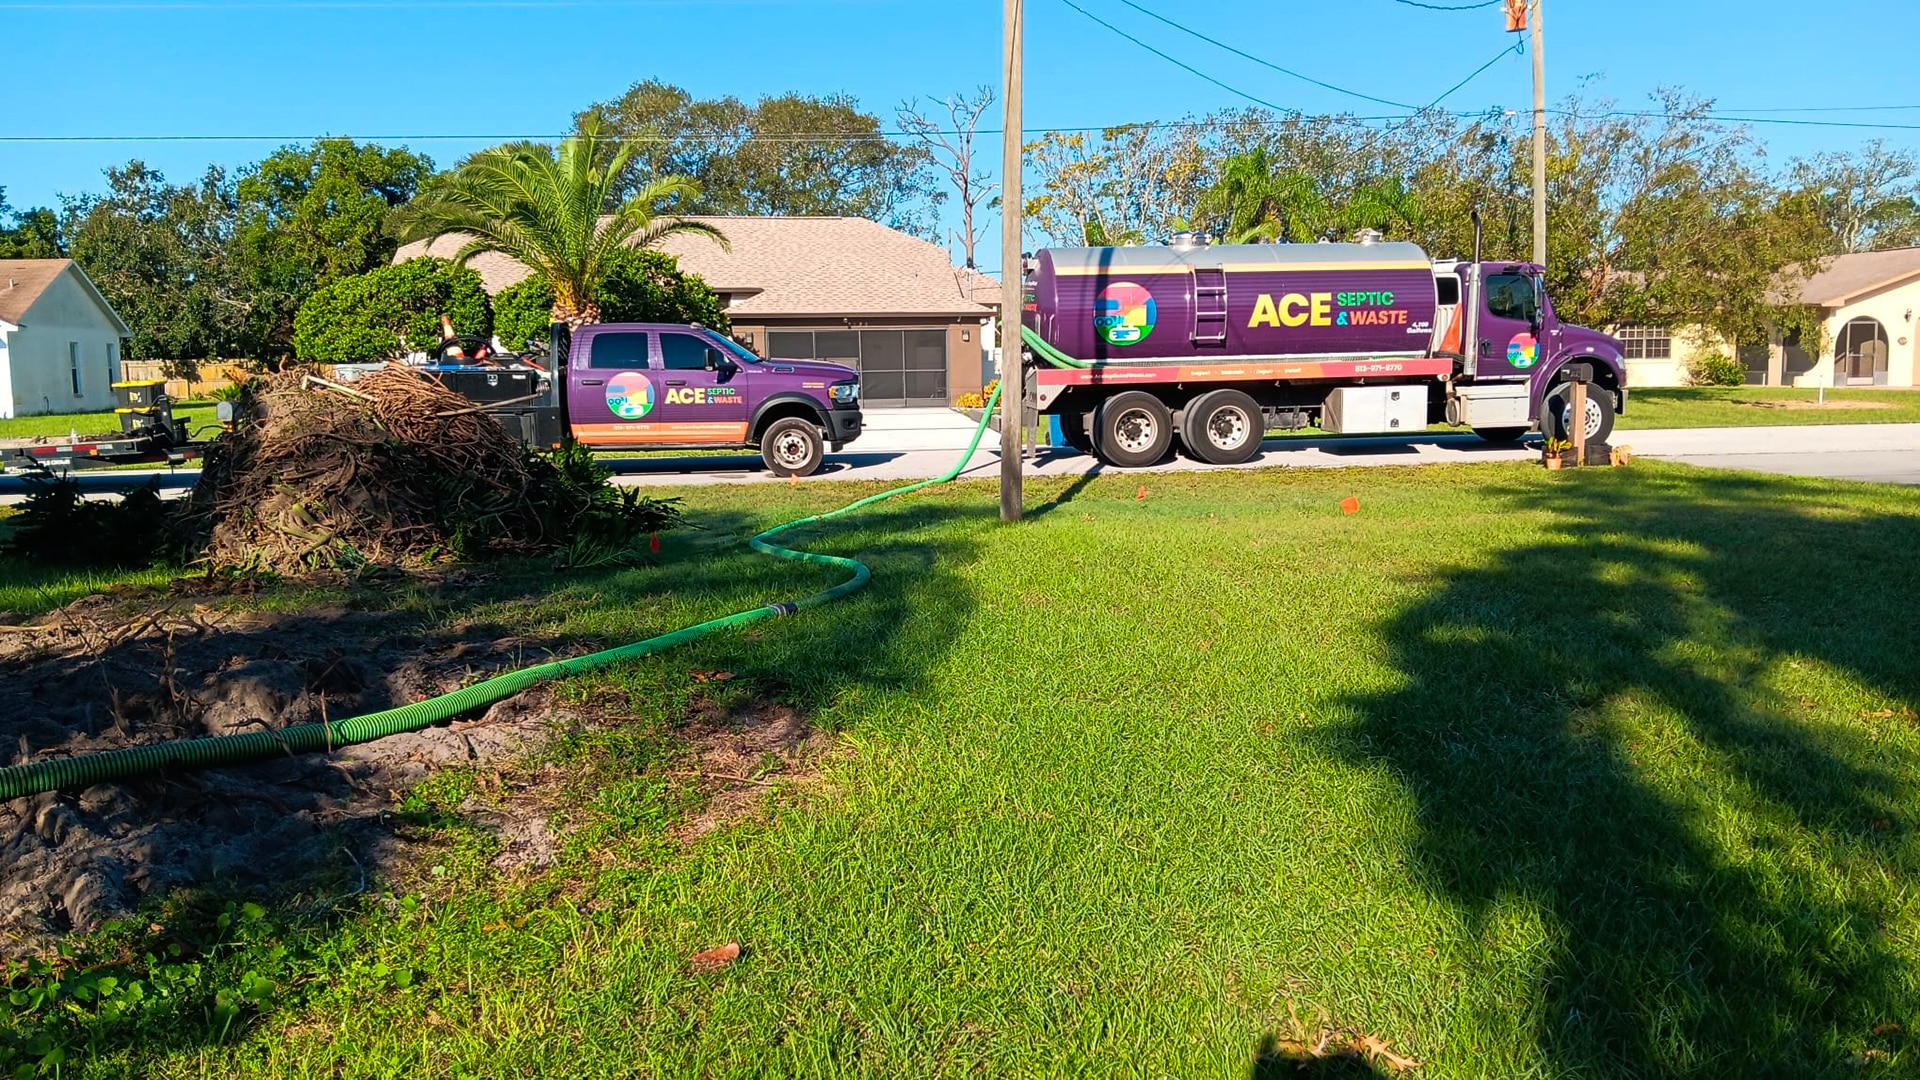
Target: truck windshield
740,352
1511,296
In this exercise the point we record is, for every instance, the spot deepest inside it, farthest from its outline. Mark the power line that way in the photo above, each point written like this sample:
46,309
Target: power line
1448,7
1263,63
1291,117
1177,63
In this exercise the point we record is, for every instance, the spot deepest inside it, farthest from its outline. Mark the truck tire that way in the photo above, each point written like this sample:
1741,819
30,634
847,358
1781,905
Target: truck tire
1073,426
1559,406
1502,435
1223,427
1132,429
791,447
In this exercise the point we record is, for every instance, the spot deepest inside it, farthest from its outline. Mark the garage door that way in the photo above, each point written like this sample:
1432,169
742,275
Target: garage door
897,367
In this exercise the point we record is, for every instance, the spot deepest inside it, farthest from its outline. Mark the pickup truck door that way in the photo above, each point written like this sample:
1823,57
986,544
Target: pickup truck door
1511,326
611,395
698,404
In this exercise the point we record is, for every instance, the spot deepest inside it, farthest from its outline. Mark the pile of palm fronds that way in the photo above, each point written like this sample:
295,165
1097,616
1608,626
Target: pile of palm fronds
397,469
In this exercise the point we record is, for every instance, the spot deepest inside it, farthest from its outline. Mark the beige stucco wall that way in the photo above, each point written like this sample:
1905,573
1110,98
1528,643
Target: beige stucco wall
38,378
1896,309
1687,345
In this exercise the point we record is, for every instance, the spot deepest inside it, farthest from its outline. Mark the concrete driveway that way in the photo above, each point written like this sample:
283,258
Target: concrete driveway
916,444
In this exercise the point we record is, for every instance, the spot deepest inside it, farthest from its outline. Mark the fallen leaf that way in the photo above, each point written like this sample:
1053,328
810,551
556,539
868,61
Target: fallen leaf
1886,1029
716,958
1868,1057
1143,493
1883,714
1380,1050
653,544
712,676
1350,505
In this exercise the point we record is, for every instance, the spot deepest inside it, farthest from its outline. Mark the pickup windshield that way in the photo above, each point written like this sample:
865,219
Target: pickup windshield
740,352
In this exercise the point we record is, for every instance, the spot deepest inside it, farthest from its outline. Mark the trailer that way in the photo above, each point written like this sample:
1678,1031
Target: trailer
149,435
1142,350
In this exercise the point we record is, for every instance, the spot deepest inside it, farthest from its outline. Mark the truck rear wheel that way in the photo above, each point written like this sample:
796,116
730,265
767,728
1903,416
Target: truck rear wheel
791,447
1558,408
1223,427
1132,429
1073,426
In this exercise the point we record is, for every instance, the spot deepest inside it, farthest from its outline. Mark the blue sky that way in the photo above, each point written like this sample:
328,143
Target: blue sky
494,68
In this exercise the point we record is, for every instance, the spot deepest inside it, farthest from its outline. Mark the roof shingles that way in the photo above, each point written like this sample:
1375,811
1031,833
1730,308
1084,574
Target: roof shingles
22,281
798,266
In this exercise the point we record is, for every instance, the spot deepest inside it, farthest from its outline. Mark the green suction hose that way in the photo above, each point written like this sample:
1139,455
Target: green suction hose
110,765
1048,353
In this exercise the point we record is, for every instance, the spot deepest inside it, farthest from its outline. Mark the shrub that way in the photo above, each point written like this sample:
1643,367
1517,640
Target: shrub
386,312
641,286
1717,369
56,526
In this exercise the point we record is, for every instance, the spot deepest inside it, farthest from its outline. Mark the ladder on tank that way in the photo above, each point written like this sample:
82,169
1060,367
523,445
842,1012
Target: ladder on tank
1209,305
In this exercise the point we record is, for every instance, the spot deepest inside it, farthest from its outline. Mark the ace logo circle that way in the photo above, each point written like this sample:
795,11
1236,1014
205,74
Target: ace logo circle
629,395
1523,351
1124,314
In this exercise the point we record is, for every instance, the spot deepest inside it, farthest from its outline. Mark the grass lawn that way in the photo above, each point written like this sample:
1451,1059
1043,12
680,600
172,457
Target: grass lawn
195,414
1609,773
1759,406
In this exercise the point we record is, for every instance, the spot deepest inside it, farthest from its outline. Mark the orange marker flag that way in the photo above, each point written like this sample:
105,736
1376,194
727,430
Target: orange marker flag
1349,505
1143,493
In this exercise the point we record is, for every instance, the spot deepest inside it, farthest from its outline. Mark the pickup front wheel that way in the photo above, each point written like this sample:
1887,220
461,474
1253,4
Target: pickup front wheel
791,447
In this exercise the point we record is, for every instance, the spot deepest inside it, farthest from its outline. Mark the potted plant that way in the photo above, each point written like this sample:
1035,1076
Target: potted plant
1558,453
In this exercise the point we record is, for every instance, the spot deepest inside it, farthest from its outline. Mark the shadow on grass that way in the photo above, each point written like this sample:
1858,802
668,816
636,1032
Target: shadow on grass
888,637
1594,726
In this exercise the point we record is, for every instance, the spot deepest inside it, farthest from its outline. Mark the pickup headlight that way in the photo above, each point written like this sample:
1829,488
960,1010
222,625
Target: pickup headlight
845,393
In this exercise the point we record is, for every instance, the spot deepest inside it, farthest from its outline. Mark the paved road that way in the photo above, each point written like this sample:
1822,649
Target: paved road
928,447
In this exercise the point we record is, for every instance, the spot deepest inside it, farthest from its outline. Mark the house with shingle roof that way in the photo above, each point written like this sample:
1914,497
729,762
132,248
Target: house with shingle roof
1867,303
846,289
60,340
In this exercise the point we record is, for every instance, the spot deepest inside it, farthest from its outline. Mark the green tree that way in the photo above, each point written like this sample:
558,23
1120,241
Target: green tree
558,213
384,313
1255,199
1868,200
29,234
158,253
308,216
792,154
640,286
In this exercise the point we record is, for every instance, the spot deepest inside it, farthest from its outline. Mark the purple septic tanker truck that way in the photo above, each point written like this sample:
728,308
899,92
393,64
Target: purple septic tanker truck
1214,345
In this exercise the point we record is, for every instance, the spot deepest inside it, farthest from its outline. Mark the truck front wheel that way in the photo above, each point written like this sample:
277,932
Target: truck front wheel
1132,429
1223,427
791,447
1558,407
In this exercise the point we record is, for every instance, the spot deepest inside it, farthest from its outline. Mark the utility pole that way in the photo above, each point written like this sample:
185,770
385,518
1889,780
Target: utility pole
1013,410
1539,137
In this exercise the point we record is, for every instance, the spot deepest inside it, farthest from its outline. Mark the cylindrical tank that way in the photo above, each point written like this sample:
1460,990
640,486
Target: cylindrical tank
1190,301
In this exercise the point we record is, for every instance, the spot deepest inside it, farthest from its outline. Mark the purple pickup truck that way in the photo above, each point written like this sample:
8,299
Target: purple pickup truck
665,386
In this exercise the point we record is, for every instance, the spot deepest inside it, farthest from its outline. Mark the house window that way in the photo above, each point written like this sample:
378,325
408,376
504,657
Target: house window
73,366
113,363
1645,342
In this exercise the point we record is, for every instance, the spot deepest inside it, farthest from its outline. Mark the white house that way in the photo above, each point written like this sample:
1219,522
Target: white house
59,340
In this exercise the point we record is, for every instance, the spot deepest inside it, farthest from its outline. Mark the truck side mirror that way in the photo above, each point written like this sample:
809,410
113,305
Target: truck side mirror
713,359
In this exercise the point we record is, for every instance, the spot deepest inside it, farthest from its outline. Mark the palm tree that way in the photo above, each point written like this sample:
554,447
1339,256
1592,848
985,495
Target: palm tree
555,212
1256,200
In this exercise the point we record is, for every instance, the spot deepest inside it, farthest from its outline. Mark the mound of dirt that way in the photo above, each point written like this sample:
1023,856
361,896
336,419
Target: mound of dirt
395,469
95,677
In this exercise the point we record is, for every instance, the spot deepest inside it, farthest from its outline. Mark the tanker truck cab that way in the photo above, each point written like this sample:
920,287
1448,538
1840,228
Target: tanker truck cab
1517,378
663,386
